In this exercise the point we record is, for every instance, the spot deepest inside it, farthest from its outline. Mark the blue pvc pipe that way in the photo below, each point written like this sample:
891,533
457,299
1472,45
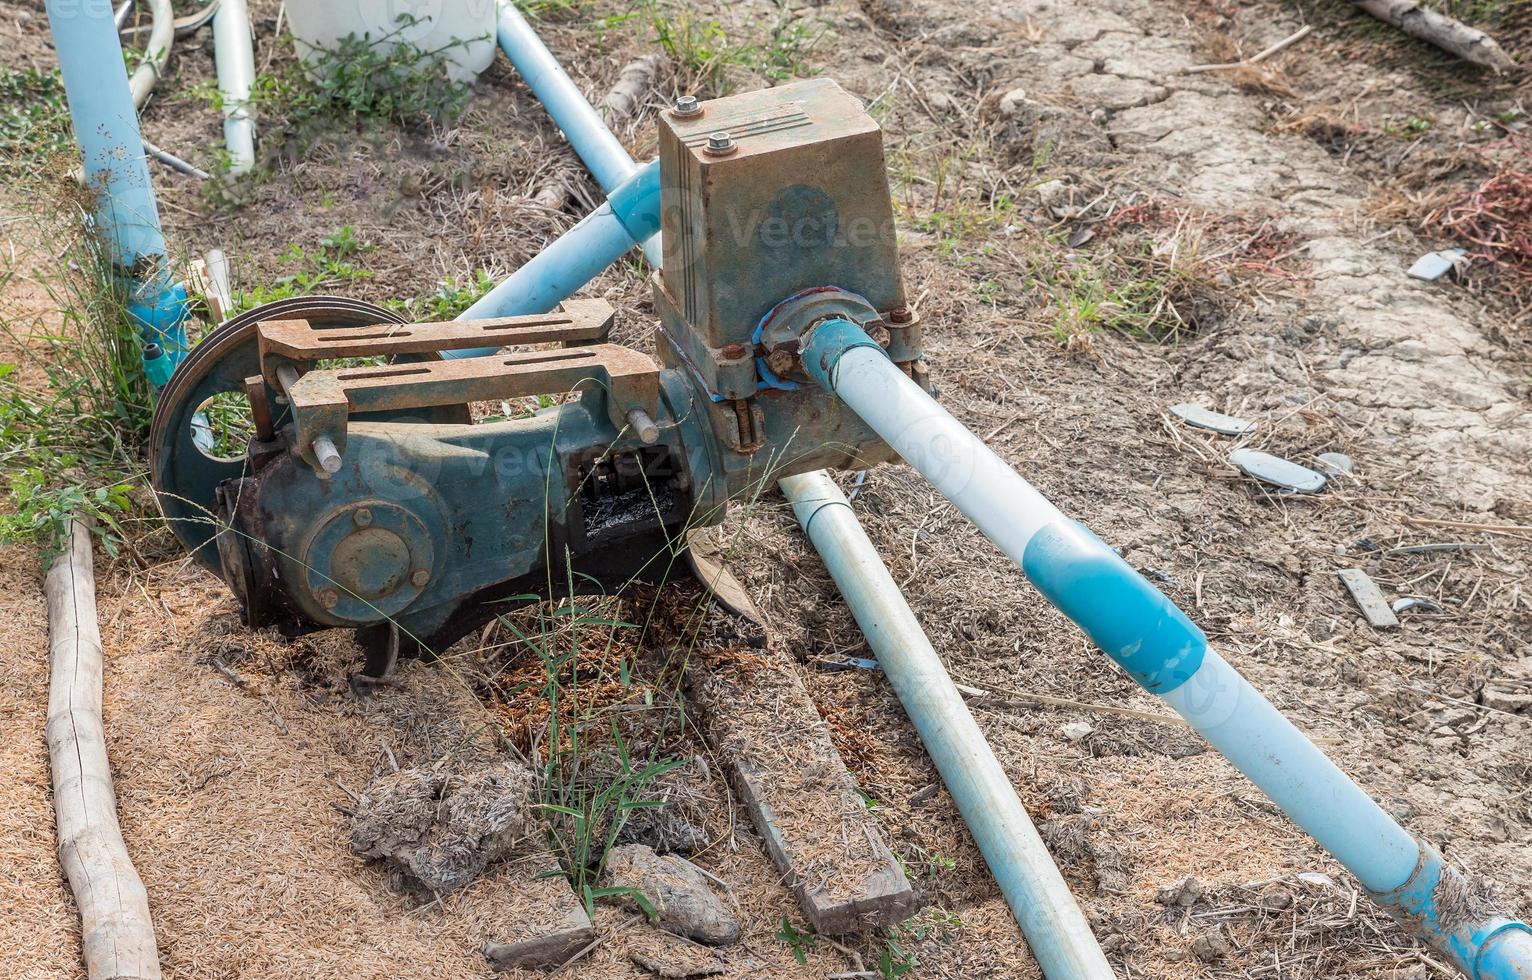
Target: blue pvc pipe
631,214
1056,930
587,133
1155,642
106,127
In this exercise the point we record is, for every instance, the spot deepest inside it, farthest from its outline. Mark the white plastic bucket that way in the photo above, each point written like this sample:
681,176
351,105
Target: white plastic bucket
430,25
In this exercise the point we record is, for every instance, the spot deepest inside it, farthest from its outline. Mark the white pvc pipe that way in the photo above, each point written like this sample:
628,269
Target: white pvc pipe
234,56
156,53
1055,928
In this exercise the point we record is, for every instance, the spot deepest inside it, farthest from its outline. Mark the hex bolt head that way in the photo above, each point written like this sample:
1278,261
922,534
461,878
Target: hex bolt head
720,143
733,352
362,516
687,106
900,314
420,577
328,598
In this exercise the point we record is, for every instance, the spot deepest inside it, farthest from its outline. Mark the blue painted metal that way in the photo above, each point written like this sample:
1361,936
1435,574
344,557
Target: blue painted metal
631,214
1130,619
601,151
1160,647
106,126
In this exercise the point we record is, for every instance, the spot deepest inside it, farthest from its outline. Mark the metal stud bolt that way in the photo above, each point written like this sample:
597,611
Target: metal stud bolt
720,144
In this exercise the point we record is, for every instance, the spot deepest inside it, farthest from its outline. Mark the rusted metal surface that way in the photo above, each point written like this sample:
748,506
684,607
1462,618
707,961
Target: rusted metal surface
801,200
587,321
321,401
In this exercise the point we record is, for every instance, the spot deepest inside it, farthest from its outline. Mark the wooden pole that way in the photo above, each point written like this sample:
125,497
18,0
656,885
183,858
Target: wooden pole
1417,20
117,936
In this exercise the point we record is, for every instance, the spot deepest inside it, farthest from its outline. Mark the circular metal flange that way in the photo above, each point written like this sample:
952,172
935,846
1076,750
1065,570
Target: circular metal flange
364,571
780,332
184,476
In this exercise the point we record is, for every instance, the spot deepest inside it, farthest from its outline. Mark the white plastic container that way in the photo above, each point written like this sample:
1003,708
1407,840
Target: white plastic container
430,25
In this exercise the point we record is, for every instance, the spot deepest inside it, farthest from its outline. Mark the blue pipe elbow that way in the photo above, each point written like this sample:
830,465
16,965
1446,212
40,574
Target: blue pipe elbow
158,312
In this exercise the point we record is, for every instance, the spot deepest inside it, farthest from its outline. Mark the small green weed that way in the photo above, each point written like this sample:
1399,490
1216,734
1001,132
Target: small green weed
34,117
328,266
799,941
72,446
894,961
709,57
449,299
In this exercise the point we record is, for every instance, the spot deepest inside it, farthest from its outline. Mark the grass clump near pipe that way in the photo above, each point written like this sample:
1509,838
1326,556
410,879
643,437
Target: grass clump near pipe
71,441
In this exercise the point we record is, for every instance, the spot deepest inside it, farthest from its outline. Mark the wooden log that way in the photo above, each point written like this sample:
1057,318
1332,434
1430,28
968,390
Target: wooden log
117,935
1417,20
632,89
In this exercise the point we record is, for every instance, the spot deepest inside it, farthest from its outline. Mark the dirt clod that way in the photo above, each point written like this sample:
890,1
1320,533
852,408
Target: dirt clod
677,889
442,830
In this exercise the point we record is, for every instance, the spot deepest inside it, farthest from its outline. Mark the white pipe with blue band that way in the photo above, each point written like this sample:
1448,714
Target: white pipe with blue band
1155,642
126,215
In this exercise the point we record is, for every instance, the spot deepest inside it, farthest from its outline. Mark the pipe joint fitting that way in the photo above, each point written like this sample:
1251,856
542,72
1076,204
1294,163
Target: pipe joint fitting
782,336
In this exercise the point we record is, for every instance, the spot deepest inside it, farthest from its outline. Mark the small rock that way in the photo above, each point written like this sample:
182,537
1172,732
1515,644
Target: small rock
1210,947
678,890
1183,894
1076,730
1336,464
1205,418
1013,101
1433,265
440,829
1057,197
1275,898
671,970
1277,471
1517,702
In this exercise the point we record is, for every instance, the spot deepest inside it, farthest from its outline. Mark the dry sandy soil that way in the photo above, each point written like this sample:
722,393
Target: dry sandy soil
1277,210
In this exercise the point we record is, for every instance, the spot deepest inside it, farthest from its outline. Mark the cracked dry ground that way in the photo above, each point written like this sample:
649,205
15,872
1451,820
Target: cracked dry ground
1329,346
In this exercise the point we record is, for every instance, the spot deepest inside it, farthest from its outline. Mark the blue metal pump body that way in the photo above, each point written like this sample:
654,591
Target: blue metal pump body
433,525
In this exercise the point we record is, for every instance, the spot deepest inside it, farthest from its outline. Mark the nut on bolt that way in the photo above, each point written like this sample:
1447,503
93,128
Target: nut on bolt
687,106
362,517
420,577
720,144
328,598
900,314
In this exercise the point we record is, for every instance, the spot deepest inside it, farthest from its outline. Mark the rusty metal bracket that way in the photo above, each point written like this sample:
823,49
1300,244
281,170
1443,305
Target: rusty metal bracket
322,401
299,342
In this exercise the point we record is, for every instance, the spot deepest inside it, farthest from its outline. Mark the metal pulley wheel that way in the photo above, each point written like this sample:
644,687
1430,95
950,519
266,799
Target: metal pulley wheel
185,464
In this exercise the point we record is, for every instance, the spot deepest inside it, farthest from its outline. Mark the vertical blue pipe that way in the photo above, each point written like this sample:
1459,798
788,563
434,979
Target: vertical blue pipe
601,152
1156,644
126,216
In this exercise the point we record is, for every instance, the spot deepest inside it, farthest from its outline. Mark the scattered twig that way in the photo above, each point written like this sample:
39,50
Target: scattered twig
1058,702
1257,58
631,91
594,945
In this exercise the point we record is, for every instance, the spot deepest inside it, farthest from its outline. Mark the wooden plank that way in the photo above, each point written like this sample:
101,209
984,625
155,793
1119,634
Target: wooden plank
802,801
1369,598
541,924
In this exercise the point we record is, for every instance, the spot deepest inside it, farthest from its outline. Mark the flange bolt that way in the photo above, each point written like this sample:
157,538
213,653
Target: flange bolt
687,106
420,577
720,143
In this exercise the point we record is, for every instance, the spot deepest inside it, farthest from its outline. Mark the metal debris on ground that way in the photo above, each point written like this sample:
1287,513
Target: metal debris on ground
1205,418
1433,265
1276,471
1336,464
1409,603
1369,598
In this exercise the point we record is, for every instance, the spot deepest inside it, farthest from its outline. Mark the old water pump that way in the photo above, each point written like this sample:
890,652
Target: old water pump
369,498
